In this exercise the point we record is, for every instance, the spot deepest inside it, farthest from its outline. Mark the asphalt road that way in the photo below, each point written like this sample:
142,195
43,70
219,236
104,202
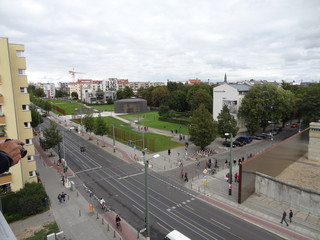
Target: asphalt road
171,205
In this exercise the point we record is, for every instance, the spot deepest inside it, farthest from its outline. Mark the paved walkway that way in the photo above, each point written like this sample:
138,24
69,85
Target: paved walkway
76,220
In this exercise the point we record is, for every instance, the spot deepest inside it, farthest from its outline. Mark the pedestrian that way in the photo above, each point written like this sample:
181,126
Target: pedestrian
290,215
62,179
216,163
63,196
185,177
118,220
226,163
182,173
181,164
236,176
60,198
284,215
169,151
239,161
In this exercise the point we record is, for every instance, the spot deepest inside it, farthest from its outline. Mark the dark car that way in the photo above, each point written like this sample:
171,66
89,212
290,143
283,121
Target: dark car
263,135
241,140
246,138
227,144
257,137
238,144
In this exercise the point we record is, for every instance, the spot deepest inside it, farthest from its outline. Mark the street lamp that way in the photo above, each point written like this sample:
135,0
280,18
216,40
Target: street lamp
230,164
146,191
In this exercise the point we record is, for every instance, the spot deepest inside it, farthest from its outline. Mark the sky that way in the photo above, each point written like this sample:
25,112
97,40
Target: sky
176,40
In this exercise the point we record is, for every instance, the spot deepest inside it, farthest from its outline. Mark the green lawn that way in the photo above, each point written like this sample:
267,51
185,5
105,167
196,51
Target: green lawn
105,107
161,142
150,119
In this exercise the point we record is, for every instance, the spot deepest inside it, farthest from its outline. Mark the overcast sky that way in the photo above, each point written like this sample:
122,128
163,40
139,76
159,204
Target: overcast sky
148,40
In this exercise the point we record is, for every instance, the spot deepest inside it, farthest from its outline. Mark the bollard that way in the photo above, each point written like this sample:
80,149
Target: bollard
191,185
97,215
138,235
198,189
79,213
102,221
108,227
114,233
77,194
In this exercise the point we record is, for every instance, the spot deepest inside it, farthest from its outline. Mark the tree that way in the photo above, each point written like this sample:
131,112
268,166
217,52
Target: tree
38,92
127,92
260,106
226,123
52,138
74,95
146,94
203,129
88,122
309,106
60,94
47,106
287,105
36,117
160,96
178,101
100,127
201,96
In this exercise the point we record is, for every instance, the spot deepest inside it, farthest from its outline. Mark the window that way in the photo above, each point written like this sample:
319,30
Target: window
20,53
21,71
25,107
30,158
23,90
32,174
27,124
28,141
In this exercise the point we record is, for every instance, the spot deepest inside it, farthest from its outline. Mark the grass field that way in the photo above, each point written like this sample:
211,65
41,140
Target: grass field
161,142
105,107
151,119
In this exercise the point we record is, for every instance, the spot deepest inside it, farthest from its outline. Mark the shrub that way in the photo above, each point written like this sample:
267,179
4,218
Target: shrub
26,202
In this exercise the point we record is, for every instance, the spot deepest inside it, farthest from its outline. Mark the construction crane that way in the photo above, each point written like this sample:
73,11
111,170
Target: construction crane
73,73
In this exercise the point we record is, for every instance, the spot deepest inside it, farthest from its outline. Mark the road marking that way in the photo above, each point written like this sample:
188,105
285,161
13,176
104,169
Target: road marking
132,175
190,207
163,227
137,208
87,170
219,223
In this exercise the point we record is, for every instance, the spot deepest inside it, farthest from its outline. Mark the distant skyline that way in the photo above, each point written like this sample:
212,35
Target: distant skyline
178,40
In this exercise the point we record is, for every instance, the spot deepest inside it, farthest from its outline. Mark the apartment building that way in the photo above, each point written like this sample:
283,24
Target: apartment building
15,115
49,89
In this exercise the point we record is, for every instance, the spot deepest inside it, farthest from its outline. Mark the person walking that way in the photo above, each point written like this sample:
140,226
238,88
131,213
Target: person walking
186,177
169,151
284,215
118,220
290,215
60,198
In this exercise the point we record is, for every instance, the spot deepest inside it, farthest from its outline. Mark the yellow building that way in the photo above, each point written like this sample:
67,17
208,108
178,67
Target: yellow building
15,115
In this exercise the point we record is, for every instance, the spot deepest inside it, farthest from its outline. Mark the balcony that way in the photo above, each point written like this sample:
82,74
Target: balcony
5,179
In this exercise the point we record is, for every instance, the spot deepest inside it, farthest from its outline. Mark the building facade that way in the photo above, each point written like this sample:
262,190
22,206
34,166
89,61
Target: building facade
15,118
230,95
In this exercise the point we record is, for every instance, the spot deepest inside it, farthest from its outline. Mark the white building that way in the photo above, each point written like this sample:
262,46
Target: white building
230,95
49,89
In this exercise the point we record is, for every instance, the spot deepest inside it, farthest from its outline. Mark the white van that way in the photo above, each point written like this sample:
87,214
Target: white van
175,235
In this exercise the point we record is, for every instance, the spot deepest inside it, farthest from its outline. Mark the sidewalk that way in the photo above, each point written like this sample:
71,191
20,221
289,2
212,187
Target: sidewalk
258,210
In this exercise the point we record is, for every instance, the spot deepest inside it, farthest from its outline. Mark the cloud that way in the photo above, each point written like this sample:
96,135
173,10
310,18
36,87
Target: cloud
171,39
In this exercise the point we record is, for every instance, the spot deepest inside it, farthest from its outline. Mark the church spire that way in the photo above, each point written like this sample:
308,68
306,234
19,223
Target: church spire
225,78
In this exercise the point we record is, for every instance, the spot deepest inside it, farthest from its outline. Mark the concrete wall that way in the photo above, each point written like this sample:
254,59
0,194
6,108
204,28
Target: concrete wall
272,161
295,196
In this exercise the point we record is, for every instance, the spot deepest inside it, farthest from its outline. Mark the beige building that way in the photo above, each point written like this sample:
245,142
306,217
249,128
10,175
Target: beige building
15,115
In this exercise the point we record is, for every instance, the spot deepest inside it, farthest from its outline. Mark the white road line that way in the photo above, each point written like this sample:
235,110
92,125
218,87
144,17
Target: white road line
190,207
163,227
132,175
87,170
137,208
219,223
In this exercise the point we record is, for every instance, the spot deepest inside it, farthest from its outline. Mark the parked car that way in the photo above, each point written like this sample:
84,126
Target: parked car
246,138
227,144
294,125
238,144
241,140
263,135
257,137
